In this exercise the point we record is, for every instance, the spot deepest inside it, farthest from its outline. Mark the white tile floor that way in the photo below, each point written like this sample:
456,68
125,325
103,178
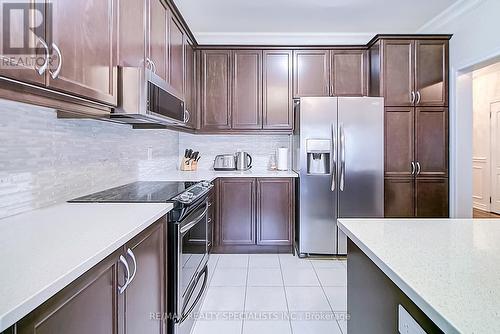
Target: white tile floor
271,293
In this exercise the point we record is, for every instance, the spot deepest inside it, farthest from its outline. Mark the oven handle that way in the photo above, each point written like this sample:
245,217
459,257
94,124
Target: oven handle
189,225
200,294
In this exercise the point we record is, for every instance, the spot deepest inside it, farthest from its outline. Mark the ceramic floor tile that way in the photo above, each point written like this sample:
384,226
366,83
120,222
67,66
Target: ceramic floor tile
224,299
217,327
229,277
327,263
232,261
306,299
315,327
290,261
264,261
266,327
264,277
343,326
337,296
294,276
332,276
265,299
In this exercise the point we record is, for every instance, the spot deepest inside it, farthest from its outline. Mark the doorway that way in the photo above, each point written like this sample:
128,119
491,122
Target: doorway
486,142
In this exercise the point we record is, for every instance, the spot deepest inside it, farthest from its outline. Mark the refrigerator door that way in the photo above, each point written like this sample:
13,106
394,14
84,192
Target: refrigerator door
361,160
317,187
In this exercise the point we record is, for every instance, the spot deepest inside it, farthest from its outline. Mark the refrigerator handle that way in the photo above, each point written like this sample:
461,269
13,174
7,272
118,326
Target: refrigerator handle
334,158
342,158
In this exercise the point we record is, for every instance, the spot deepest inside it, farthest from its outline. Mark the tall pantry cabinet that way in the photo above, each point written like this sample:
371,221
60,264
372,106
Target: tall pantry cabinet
411,73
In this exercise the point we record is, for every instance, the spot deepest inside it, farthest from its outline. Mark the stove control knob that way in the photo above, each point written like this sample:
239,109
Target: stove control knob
205,184
186,196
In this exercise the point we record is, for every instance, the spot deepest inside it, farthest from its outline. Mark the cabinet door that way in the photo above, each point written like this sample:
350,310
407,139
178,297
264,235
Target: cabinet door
190,88
132,28
431,141
23,40
274,211
237,211
88,305
431,72
145,293
432,198
277,90
246,113
348,73
158,37
310,73
216,83
399,141
399,198
85,34
176,55
398,73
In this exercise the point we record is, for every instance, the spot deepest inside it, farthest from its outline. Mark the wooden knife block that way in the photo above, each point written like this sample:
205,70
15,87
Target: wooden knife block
189,165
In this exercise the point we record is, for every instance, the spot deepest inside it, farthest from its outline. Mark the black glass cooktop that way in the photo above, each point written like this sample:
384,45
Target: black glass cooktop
138,192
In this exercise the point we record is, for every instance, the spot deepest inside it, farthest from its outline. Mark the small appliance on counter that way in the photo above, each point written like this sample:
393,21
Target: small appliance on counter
243,161
230,162
190,160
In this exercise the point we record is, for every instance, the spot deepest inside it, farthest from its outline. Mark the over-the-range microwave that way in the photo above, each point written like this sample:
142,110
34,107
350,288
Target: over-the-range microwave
145,99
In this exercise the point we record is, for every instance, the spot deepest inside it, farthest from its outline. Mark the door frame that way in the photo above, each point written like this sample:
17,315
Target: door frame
494,205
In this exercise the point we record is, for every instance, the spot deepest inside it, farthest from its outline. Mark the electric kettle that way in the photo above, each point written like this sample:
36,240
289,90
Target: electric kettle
243,161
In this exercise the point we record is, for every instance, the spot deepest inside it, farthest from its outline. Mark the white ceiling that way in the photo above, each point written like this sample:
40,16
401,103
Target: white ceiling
305,21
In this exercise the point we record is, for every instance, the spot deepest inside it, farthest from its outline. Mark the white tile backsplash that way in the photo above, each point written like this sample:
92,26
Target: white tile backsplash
45,160
260,147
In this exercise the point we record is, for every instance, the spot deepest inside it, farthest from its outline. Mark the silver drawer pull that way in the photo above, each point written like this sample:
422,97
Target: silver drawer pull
131,254
121,289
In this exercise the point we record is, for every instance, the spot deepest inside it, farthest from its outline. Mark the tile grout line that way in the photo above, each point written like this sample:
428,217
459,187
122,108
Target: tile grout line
245,298
327,300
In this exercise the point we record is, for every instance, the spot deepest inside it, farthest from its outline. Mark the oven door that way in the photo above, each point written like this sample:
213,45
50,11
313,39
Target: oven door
192,261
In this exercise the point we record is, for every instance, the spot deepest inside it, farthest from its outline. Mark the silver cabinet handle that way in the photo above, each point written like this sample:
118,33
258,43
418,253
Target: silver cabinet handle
418,97
150,64
412,97
187,116
132,256
41,70
55,74
418,168
334,159
412,168
153,66
342,158
121,289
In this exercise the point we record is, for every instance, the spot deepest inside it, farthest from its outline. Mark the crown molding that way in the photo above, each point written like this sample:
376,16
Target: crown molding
456,10
274,38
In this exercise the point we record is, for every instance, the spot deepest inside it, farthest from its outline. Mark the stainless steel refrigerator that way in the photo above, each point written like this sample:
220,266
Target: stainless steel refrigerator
338,151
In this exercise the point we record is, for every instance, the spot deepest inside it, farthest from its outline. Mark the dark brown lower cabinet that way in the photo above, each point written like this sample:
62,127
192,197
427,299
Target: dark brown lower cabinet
274,211
416,197
237,211
93,303
255,213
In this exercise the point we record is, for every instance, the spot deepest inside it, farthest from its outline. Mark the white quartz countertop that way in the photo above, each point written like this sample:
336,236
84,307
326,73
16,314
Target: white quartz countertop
450,268
211,175
44,250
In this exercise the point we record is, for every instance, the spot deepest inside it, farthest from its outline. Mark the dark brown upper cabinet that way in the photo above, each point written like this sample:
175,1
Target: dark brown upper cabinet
310,73
431,141
348,72
26,72
158,50
398,73
190,85
237,211
410,72
88,305
431,72
176,55
215,89
247,90
132,43
274,211
399,141
277,90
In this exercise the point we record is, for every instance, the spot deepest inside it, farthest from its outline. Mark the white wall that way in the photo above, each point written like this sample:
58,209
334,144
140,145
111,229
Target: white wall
475,43
486,90
45,160
260,147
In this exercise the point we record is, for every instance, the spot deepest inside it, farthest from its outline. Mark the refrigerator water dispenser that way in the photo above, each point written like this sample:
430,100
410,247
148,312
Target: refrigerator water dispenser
318,156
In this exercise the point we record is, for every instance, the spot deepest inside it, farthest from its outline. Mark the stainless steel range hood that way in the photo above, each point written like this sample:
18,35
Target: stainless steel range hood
146,100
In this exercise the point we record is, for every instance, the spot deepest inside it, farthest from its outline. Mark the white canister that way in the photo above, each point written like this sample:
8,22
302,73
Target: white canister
282,158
